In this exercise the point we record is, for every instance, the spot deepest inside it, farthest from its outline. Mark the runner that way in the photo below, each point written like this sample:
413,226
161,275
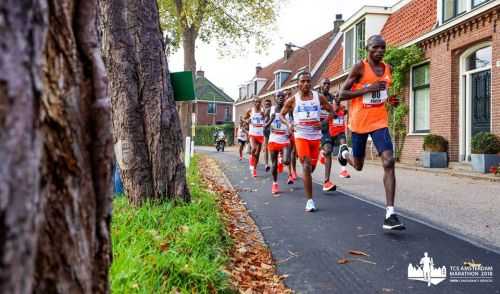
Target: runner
326,139
292,155
337,132
307,105
279,143
242,137
268,107
367,86
255,118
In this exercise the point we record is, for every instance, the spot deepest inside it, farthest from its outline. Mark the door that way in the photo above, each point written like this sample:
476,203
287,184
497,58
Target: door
480,102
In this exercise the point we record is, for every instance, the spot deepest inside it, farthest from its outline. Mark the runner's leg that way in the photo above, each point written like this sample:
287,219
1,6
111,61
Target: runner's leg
274,171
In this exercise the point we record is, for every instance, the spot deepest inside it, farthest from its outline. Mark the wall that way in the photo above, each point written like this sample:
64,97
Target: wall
204,118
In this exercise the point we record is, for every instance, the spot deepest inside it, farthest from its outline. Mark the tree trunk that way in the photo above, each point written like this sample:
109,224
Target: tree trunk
146,127
55,205
188,44
74,249
22,34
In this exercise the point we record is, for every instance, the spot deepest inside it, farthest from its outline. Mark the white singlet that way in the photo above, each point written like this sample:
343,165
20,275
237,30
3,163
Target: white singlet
306,115
279,130
256,124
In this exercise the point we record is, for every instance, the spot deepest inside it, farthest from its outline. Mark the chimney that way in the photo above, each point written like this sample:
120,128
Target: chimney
200,73
288,51
258,68
337,23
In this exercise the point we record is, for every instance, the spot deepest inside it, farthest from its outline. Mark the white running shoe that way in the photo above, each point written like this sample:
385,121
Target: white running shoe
310,207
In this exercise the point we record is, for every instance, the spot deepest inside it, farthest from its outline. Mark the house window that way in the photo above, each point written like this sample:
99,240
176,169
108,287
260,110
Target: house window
211,108
360,41
280,78
476,3
227,113
421,99
255,86
453,8
354,45
349,50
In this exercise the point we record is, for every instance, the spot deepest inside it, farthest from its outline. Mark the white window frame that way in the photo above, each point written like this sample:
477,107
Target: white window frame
468,8
412,101
354,28
215,108
278,83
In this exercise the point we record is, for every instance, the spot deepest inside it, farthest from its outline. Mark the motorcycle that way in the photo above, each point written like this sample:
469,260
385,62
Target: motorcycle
220,143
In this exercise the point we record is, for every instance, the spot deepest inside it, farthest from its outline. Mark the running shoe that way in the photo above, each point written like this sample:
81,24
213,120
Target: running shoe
254,172
393,223
329,186
275,189
340,158
290,180
310,207
344,174
321,157
268,168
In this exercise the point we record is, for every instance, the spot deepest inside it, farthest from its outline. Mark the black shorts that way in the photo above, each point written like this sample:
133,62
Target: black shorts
241,142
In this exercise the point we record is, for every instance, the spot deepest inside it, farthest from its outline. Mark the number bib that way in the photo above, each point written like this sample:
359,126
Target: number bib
375,98
339,121
307,113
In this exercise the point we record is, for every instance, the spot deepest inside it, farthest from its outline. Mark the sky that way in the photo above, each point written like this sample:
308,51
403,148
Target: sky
229,72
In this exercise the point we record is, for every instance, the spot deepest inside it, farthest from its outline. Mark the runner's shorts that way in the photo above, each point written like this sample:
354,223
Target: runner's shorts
275,147
381,138
308,148
258,139
242,142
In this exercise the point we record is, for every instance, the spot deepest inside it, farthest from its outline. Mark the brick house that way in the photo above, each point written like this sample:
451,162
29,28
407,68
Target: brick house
282,74
212,106
455,92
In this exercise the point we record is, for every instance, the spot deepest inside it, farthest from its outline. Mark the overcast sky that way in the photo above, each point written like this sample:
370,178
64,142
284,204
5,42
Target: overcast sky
228,73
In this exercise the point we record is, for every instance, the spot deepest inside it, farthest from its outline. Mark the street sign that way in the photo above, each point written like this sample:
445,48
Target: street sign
183,85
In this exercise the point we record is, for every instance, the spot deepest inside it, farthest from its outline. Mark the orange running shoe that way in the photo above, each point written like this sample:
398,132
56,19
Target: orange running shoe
329,186
254,172
275,189
344,174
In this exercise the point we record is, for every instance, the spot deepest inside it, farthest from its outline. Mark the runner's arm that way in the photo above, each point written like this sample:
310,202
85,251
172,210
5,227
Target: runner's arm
289,105
327,106
246,118
346,92
269,120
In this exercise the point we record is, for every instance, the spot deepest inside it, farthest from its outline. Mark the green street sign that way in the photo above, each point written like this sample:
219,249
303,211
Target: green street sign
183,85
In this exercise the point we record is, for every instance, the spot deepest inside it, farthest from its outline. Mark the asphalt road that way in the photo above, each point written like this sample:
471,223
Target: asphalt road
307,246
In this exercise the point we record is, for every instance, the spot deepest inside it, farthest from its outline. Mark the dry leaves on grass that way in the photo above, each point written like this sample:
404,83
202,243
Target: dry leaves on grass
251,265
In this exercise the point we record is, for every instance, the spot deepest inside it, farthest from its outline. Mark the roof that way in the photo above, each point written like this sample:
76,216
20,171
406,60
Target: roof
410,22
334,66
206,90
295,63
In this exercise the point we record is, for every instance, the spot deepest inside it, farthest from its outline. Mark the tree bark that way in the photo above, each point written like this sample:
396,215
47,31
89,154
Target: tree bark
22,34
146,127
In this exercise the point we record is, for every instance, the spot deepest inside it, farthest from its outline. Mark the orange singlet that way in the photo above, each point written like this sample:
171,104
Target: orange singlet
368,112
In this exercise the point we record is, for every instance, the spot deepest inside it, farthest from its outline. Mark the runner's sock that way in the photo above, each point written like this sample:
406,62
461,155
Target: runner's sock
344,154
389,211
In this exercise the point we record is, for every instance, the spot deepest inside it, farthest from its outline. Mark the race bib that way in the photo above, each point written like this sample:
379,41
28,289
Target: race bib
375,98
257,121
308,113
339,121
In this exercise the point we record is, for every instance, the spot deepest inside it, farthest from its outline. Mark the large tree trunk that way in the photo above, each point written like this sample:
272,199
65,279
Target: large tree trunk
55,150
22,35
185,108
146,127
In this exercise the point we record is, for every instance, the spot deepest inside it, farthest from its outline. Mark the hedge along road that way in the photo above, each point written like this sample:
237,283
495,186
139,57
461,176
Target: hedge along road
308,246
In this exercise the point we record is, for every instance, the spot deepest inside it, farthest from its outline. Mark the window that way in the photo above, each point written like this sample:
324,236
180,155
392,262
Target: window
354,45
453,8
255,86
227,113
360,41
349,37
479,59
476,3
211,108
280,78
243,93
421,99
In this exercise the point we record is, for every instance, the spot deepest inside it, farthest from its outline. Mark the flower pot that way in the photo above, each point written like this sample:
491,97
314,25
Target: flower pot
435,159
483,162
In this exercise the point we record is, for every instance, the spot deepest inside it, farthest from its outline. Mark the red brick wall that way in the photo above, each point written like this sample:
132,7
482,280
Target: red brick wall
204,118
444,56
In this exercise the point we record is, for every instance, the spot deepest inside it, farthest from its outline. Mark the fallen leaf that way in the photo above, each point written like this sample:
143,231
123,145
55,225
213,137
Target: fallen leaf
164,246
357,252
342,261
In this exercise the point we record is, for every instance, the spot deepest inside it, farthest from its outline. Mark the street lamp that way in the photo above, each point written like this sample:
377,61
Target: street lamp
291,45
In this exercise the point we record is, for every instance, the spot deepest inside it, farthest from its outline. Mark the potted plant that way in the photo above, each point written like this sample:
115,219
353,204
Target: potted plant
485,149
435,152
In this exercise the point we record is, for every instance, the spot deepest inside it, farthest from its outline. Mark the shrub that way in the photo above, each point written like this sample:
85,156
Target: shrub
485,143
204,135
435,143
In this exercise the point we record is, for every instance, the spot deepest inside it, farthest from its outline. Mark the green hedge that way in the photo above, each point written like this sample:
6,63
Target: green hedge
204,135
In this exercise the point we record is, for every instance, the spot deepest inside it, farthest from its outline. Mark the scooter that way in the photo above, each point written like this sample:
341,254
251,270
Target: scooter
220,143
